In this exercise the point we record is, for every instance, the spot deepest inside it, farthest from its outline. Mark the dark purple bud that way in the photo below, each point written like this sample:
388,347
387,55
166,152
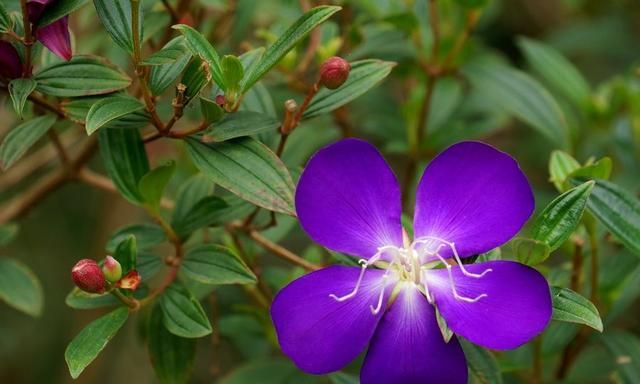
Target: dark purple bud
88,276
55,36
334,72
10,65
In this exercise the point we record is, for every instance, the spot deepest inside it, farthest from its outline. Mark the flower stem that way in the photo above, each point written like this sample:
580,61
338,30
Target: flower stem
28,39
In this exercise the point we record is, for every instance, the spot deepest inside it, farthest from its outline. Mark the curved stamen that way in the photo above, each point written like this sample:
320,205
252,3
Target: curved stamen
363,264
378,307
452,246
454,290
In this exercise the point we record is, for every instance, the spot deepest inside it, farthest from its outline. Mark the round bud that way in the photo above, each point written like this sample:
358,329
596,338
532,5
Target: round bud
88,276
334,72
112,269
221,100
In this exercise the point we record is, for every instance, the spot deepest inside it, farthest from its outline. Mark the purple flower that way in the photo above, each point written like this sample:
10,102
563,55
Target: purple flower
10,64
54,36
472,198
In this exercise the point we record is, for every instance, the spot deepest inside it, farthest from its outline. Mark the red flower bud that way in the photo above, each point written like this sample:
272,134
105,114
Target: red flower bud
88,276
334,72
221,100
112,269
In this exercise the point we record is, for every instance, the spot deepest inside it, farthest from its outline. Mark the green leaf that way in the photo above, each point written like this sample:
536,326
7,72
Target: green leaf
109,109
172,356
196,76
78,109
238,124
126,253
520,95
561,217
20,288
153,184
162,76
78,299
211,111
482,364
200,47
125,159
116,19
214,265
183,314
169,54
81,76
619,211
247,168
7,233
233,72
287,41
561,165
343,378
530,251
86,346
571,307
23,137
6,23
601,169
20,89
204,213
364,75
196,188
268,371
625,348
556,70
58,9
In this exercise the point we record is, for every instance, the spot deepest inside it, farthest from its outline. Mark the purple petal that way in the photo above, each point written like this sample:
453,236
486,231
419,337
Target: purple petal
319,333
35,9
516,309
408,347
55,36
10,65
348,199
474,196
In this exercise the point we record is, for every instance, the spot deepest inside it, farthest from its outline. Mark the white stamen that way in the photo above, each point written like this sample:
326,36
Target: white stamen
378,307
363,263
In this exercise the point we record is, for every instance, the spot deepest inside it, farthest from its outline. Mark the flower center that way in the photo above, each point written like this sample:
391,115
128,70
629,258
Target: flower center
411,265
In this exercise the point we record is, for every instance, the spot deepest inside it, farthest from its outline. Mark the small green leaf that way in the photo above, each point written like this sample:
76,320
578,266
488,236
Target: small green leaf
78,109
116,19
86,346
619,211
20,89
238,124
162,76
58,9
343,378
364,75
530,251
561,165
78,299
125,159
287,41
482,364
172,356
183,314
247,168
81,76
20,288
560,218
200,47
196,76
211,111
556,70
268,371
445,331
109,109
214,265
233,73
625,347
520,95
126,253
601,169
23,137
7,233
147,236
571,307
6,23
196,188
204,213
152,184
169,54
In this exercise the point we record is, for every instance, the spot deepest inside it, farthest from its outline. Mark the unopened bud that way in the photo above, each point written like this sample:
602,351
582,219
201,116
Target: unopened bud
112,269
334,72
221,100
88,276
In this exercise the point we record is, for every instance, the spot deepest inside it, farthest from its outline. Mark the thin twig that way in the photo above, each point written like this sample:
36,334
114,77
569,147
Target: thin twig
57,144
281,251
